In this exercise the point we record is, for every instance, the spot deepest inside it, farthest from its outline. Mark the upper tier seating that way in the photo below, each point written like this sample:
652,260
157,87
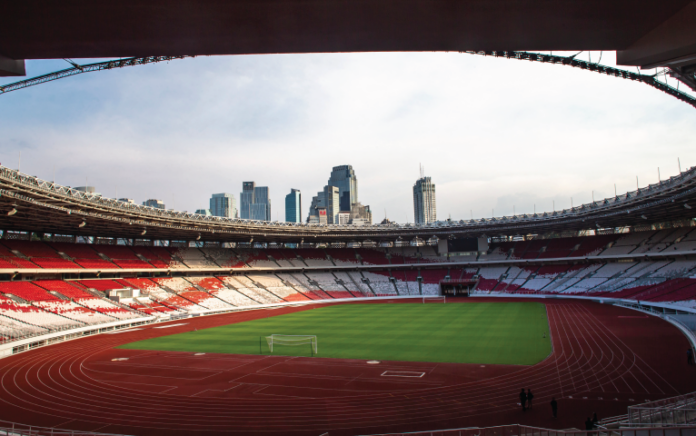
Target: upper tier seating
343,256
64,288
257,259
26,291
372,257
101,285
314,257
32,249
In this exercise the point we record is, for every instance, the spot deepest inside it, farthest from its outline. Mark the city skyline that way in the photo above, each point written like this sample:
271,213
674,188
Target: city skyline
267,118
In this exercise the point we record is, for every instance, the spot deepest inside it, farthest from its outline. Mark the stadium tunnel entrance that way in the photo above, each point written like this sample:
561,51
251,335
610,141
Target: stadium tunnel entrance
457,288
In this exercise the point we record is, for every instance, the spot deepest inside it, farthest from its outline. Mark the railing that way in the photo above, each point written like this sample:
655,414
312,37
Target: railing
14,429
523,430
673,411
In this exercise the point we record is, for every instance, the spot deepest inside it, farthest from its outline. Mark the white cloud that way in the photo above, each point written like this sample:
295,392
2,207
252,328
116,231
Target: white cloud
492,133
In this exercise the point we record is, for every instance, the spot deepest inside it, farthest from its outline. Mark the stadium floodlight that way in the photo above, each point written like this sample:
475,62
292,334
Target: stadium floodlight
82,224
12,212
293,340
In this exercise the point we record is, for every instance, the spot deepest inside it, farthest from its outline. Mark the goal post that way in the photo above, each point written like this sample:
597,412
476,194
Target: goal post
293,340
434,299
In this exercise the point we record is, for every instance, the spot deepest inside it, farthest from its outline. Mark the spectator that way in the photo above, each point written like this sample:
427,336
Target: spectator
595,421
530,397
588,424
554,407
523,400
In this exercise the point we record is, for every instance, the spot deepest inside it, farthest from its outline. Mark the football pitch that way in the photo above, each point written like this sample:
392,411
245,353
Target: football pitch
485,333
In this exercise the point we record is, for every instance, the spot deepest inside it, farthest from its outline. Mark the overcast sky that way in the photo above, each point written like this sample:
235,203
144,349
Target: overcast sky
492,133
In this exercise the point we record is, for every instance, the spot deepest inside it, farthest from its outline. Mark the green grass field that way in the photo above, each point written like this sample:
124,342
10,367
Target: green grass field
486,333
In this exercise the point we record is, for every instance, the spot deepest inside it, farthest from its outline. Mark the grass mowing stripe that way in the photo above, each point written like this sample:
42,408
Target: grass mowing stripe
486,333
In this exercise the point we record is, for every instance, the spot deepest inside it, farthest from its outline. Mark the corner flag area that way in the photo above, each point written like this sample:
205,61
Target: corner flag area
485,333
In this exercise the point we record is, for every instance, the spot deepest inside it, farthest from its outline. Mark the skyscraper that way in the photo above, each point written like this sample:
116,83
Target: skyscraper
293,206
424,206
332,200
254,202
317,202
223,205
261,207
343,177
246,199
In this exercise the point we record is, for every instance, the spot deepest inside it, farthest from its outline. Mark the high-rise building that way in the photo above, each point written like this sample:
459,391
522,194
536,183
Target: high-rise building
293,206
157,204
261,198
318,201
343,218
246,199
332,198
205,212
360,215
223,205
254,202
424,206
343,177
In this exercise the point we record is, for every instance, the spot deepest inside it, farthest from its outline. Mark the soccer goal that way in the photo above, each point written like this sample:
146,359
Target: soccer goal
293,340
435,299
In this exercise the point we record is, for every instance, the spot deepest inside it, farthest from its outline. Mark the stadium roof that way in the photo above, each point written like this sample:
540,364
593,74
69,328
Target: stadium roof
28,203
644,31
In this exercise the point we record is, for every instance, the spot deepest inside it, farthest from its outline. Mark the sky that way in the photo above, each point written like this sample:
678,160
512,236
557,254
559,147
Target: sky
495,135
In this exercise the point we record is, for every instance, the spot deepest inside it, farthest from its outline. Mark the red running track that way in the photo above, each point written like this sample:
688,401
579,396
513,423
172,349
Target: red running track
605,358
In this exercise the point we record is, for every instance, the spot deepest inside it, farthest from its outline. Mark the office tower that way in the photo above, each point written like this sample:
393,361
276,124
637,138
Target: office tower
317,202
293,206
332,201
261,198
424,206
205,212
158,204
246,199
223,205
343,177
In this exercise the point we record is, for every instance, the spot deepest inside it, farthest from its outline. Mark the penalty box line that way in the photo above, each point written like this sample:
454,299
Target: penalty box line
408,374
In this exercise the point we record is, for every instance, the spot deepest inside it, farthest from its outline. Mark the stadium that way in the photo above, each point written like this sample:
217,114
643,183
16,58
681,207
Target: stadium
121,319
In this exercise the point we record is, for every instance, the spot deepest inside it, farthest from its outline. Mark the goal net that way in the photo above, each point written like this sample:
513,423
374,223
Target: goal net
292,340
435,299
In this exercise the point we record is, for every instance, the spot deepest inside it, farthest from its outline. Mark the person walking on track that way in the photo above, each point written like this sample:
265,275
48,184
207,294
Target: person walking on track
530,397
554,407
523,400
690,356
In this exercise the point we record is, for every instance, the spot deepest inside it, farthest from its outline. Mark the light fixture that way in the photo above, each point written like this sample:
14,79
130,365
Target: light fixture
82,224
12,212
644,217
198,238
143,233
686,205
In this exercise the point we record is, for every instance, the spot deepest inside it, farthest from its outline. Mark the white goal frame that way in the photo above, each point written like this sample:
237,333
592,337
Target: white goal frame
293,340
442,298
